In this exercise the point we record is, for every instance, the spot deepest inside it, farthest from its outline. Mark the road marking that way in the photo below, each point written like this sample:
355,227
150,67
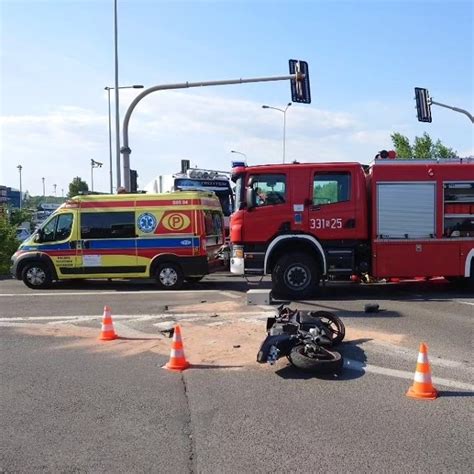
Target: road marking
466,302
403,374
229,294
134,317
381,347
117,293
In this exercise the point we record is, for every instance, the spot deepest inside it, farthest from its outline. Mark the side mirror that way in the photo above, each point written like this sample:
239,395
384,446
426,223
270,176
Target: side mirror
250,197
39,236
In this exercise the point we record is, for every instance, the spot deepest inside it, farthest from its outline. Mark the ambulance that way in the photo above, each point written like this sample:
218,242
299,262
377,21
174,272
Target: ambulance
172,237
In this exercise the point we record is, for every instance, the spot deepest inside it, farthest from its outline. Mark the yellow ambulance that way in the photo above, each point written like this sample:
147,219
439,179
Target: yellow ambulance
172,237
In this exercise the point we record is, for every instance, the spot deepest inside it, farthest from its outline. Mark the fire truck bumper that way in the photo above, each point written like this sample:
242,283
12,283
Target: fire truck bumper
237,260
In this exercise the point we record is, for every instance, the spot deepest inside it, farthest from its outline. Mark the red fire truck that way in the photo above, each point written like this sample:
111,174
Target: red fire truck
307,222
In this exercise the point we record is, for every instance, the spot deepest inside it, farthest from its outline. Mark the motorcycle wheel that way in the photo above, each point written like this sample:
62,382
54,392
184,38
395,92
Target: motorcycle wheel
323,362
334,325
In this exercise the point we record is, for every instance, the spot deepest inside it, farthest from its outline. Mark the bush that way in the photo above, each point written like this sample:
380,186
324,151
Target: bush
8,244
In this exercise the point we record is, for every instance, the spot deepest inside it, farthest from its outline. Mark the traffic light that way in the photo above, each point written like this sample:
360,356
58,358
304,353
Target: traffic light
300,91
423,104
133,181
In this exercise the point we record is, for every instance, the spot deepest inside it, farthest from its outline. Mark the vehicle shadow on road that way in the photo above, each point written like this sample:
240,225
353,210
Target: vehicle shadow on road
380,313
451,393
348,350
210,366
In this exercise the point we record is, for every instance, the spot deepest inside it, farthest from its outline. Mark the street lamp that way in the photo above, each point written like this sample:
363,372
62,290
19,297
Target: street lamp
19,169
94,164
239,153
284,123
44,193
55,186
108,89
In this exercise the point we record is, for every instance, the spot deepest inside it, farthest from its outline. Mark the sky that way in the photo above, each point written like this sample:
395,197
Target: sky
365,58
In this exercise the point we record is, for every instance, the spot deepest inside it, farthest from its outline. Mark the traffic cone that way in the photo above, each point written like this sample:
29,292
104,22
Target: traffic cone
107,332
177,360
422,387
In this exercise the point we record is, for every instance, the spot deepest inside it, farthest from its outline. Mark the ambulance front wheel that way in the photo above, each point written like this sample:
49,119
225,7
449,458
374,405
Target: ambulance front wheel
36,275
169,276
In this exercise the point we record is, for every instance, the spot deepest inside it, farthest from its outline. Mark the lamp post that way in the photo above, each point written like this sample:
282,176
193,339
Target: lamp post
284,123
19,170
239,153
55,186
108,89
44,193
94,164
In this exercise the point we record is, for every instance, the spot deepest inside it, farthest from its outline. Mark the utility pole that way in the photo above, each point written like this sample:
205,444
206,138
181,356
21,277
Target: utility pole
21,195
117,117
94,164
44,193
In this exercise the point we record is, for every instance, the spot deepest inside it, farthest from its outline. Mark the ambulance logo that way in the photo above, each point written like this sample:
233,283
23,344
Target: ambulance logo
147,222
176,221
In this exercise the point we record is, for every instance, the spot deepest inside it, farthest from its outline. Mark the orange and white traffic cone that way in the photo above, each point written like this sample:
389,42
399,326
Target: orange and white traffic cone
422,387
177,360
107,332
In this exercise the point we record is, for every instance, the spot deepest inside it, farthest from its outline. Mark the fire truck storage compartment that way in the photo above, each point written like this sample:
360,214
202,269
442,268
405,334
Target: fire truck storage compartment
403,230
408,258
458,209
399,218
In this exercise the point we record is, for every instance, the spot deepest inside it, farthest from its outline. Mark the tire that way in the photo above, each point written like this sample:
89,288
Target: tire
333,324
323,362
36,275
169,276
193,279
460,282
295,276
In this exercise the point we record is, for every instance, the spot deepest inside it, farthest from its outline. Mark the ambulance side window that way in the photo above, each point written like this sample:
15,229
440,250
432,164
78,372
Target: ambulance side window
107,225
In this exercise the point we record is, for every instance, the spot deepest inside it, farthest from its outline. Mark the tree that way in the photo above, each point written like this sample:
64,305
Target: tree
401,145
8,243
76,186
441,151
422,149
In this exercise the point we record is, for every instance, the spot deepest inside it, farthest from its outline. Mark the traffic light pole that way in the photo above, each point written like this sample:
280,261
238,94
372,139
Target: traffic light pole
126,150
456,109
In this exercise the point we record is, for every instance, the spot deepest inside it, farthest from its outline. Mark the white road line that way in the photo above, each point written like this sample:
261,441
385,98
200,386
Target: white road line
118,293
135,317
362,367
466,302
381,347
229,294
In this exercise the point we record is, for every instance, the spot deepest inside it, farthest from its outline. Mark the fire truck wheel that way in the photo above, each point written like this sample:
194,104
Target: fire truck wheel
295,275
169,276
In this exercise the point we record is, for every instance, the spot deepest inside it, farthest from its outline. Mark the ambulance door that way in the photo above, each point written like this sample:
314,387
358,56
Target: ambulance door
58,239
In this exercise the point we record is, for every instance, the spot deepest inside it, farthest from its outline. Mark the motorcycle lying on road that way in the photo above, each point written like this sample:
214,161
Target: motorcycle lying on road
304,338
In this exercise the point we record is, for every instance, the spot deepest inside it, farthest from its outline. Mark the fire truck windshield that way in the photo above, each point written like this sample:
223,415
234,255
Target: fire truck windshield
238,180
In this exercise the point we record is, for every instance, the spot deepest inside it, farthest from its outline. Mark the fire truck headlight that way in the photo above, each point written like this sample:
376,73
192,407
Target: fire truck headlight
237,251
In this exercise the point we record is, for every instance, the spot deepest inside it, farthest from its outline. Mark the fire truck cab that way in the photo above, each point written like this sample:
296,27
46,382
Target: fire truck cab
305,222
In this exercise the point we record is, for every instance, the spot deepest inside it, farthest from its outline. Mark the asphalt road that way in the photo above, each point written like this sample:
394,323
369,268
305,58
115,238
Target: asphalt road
73,404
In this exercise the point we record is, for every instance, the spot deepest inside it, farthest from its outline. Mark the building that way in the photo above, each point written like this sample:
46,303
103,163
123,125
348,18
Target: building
9,197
